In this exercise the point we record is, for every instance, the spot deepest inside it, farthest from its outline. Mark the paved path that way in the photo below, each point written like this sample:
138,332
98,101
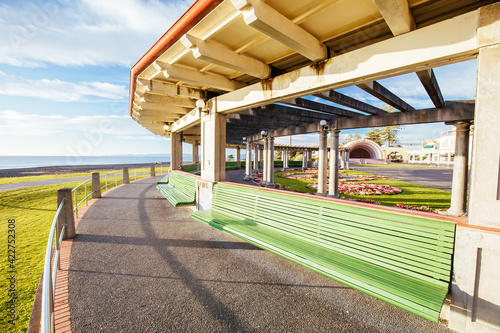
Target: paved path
439,178
140,265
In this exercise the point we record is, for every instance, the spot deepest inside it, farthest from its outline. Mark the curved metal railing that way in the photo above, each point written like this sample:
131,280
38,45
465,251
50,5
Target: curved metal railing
50,271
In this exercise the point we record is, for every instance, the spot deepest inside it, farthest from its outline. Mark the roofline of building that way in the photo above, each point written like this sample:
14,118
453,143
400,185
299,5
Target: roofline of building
189,19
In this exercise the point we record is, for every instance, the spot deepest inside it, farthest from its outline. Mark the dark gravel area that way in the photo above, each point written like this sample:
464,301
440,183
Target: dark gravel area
64,169
140,265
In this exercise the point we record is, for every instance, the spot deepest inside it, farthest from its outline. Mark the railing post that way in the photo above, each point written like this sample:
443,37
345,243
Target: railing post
66,216
153,170
96,185
126,179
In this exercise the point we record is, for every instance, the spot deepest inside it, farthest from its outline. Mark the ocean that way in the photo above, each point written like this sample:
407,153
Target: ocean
17,162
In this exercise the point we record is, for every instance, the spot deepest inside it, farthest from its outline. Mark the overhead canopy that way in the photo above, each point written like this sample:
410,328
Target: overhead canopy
275,65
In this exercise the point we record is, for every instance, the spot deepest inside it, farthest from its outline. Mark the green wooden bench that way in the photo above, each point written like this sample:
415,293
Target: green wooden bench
181,189
164,180
401,259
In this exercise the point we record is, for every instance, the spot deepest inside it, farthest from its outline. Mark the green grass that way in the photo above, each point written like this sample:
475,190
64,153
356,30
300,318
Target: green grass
33,209
413,194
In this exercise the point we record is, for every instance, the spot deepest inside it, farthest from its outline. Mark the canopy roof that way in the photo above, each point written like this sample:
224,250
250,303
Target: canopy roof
251,54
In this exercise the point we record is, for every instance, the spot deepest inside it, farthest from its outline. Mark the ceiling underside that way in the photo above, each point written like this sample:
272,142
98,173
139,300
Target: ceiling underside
243,42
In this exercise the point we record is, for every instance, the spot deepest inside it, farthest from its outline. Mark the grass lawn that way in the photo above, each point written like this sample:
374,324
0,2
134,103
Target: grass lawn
12,180
33,209
413,194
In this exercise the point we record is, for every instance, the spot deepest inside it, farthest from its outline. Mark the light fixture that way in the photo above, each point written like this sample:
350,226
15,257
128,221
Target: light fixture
244,138
264,134
324,125
200,105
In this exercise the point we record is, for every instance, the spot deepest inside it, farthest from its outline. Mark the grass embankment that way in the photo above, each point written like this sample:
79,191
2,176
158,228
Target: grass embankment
33,209
413,194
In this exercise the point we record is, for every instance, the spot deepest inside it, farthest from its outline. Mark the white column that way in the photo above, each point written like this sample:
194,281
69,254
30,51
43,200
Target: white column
175,151
304,159
322,163
265,161
238,156
248,163
196,157
458,206
256,158
213,147
347,154
270,157
333,190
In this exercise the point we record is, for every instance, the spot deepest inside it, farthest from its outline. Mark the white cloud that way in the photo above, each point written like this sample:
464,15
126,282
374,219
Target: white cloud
84,32
15,124
61,91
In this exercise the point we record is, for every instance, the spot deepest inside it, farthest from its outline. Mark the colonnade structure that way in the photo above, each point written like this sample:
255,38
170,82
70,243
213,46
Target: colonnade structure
229,69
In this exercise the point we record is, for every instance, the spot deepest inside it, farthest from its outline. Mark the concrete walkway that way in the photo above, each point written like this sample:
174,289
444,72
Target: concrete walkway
140,265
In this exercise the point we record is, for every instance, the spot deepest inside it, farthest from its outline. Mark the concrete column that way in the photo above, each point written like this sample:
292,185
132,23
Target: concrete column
175,151
238,156
322,163
270,157
96,185
333,190
285,159
248,165
126,178
265,161
458,206
66,216
196,157
153,170
347,153
213,139
304,159
256,158
261,159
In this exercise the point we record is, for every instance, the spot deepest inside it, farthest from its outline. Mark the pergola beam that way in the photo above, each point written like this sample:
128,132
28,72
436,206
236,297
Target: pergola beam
442,43
397,15
300,112
292,117
336,97
379,91
262,17
195,77
451,112
225,57
315,106
170,100
161,107
430,84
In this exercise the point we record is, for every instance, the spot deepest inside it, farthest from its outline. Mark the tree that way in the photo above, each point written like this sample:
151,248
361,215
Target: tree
375,134
230,157
390,133
350,138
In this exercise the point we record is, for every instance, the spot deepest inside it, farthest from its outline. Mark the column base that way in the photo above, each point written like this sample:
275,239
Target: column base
247,177
455,213
336,196
270,185
321,194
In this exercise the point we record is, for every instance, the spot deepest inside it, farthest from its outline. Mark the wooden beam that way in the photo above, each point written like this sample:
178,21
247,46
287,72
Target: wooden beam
174,72
431,85
397,15
294,117
161,107
225,57
187,121
336,97
161,87
443,43
376,89
315,106
296,111
262,17
184,102
451,112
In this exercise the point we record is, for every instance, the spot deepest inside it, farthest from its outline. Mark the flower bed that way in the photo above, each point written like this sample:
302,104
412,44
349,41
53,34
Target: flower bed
363,188
418,208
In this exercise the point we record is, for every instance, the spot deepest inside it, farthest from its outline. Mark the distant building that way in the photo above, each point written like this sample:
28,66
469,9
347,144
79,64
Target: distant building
438,151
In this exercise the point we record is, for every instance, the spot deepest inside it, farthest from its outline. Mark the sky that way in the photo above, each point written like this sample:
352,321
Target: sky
64,77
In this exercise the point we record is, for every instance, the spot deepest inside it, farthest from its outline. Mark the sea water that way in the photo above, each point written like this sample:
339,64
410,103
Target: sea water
17,162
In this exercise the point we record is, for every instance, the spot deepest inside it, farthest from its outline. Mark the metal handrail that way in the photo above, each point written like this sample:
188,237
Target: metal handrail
77,204
50,273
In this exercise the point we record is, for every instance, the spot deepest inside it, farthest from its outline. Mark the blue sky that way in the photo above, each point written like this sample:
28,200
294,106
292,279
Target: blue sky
64,71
